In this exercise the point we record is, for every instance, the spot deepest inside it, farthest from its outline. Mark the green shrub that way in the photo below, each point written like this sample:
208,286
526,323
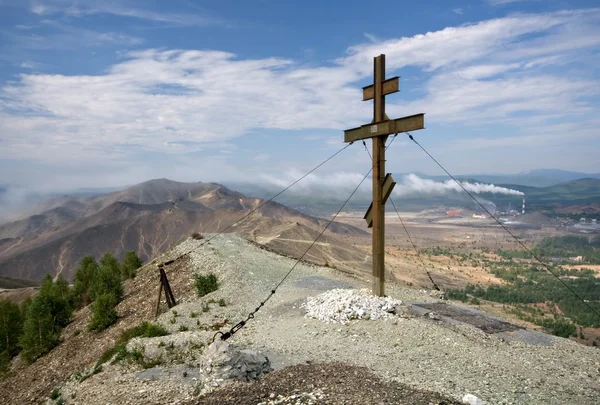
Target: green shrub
108,279
206,284
84,275
11,327
55,394
103,312
4,361
197,236
40,333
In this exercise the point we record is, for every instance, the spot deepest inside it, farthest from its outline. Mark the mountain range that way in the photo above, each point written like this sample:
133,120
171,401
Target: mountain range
151,217
575,196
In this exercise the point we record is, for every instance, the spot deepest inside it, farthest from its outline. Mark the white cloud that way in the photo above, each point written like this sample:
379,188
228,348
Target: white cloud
484,71
371,37
261,157
454,98
39,9
176,101
59,36
504,2
121,9
458,11
28,65
314,182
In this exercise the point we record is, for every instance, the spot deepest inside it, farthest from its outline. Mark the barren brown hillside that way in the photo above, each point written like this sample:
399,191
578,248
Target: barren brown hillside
150,218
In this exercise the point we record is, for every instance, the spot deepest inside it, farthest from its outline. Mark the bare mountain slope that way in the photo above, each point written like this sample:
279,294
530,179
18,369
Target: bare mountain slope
36,224
149,218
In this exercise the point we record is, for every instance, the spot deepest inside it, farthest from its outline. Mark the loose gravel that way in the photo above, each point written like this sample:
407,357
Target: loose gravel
416,353
332,384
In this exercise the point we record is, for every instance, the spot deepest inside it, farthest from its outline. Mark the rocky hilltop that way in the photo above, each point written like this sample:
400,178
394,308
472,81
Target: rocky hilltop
421,351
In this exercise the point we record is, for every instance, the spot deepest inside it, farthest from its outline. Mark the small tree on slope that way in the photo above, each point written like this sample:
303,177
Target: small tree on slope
131,263
40,333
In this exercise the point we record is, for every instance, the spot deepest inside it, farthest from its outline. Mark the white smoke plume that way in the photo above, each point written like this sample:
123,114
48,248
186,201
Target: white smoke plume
413,184
344,182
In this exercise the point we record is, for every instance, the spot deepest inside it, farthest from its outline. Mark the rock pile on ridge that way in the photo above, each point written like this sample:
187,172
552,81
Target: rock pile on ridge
341,305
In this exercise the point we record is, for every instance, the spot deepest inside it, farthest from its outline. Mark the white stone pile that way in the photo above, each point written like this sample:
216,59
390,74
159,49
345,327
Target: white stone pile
343,306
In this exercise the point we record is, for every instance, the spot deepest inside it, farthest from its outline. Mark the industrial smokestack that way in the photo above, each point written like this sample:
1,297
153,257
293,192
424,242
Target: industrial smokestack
523,212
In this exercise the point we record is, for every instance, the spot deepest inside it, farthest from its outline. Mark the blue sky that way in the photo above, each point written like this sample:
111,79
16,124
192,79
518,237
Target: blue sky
97,94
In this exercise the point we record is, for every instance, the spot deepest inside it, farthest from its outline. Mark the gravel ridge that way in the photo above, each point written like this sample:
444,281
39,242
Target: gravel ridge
416,352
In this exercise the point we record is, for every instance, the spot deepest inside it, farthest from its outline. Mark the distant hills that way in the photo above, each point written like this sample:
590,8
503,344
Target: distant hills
575,196
152,216
149,218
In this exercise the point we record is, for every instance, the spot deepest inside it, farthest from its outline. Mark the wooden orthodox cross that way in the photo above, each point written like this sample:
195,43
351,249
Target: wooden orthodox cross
379,130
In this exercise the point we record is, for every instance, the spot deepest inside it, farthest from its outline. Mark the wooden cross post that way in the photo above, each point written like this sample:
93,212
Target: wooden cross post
378,130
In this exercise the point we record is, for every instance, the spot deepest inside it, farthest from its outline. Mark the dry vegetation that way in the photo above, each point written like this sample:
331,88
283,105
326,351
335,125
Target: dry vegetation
458,256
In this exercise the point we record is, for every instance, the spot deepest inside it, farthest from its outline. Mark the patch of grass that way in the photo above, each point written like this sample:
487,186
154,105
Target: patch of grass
193,314
196,346
222,302
81,377
144,330
137,356
174,313
76,332
206,284
205,307
55,394
183,328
